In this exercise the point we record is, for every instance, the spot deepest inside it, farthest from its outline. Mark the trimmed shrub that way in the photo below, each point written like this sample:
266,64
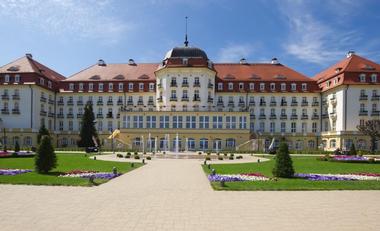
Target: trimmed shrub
208,158
220,158
136,153
128,153
239,157
119,155
231,158
17,146
148,158
127,156
225,154
137,157
284,165
199,153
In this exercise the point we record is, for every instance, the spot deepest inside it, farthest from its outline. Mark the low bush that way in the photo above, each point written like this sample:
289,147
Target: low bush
199,153
136,153
127,156
137,157
218,154
119,155
128,153
208,158
148,158
220,158
231,157
209,153
239,157
225,154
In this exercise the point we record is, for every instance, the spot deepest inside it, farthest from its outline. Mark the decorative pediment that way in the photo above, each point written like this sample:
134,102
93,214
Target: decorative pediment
280,76
144,76
254,76
229,76
119,77
14,68
95,77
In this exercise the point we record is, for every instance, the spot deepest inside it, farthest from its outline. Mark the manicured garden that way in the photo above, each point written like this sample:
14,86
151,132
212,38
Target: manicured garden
73,169
258,176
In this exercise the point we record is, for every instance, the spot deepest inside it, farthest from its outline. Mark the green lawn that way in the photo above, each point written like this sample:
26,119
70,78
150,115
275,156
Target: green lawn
66,162
301,165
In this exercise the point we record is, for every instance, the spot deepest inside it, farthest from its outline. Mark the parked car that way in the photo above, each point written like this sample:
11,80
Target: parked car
92,149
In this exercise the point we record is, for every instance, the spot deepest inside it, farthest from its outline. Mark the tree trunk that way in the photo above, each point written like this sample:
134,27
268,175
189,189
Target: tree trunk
373,142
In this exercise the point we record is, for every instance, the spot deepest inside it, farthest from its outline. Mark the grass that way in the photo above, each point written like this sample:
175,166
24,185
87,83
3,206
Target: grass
66,162
301,165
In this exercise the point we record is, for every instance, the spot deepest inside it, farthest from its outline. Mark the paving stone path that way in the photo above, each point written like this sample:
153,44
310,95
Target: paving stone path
175,195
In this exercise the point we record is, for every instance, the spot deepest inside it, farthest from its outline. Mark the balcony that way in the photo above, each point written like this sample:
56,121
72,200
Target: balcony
60,103
109,103
284,104
197,84
79,115
272,117
173,99
51,114
173,84
60,115
304,103
99,116
16,111
119,102
80,103
99,103
89,102
5,111
294,117
315,104
375,113
140,103
185,98
5,97
283,117
210,100
70,115
150,103
220,104
375,97
304,117
231,104
43,113
118,116
263,103
210,85
15,97
273,104
363,113
251,103
185,84
109,115
294,103
197,98
43,99
241,104
262,117
252,116
315,117
363,97
129,103
325,115
333,115
70,103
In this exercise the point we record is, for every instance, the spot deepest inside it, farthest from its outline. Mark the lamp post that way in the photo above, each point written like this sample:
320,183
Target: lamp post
4,135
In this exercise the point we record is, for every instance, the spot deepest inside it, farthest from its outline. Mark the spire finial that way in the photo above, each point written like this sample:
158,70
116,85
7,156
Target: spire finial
186,42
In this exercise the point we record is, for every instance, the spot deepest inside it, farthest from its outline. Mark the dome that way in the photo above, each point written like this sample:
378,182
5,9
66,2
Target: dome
186,52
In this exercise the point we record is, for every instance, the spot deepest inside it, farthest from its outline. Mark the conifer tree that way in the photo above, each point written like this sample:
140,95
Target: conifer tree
17,146
45,159
353,150
42,132
283,166
88,130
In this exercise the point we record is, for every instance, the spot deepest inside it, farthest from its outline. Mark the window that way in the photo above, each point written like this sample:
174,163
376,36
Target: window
328,83
204,122
373,78
151,86
293,127
304,87
185,61
304,127
220,86
362,107
230,143
184,94
177,121
374,107
332,143
110,126
230,86
6,78
42,81
251,86
17,78
217,122
164,121
196,95
262,127
90,86
203,144
141,86
151,122
293,87
314,127
70,125
110,87
137,121
71,87
231,122
196,80
190,121
241,86
60,125
242,122
272,86
80,86
130,87
283,127
126,121
49,84
100,87
272,127
283,86
362,78
262,86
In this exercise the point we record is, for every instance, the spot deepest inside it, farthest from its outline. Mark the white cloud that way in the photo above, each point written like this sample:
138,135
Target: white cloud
312,40
76,19
234,52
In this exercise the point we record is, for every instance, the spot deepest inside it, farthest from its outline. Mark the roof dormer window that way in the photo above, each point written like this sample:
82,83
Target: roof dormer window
80,86
42,81
362,78
49,84
130,87
293,87
110,87
17,78
262,86
230,86
121,86
241,86
304,87
251,86
283,86
6,79
220,86
71,87
100,87
374,78
90,86
272,86
185,61
141,86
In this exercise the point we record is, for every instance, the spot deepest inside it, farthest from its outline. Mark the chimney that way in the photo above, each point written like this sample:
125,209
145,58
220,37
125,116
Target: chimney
350,53
131,62
29,55
243,61
274,61
101,63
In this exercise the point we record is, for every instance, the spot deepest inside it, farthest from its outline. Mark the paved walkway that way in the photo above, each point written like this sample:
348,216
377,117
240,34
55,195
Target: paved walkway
175,195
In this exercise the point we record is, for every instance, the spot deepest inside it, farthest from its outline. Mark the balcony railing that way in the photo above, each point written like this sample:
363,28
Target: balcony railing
5,97
129,103
304,117
315,104
4,111
325,115
89,102
16,111
262,117
15,97
185,99
43,113
70,103
43,99
283,117
60,115
109,103
363,113
173,84
272,117
197,99
220,103
196,84
50,101
252,116
140,103
363,97
210,85
173,99
375,97
79,115
294,117
315,117
304,103
99,103
273,104
185,84
375,113
284,103
70,115
263,103
51,114
61,103
109,115
80,103
241,104
210,100
231,104
99,116
294,103
119,102
252,103
150,103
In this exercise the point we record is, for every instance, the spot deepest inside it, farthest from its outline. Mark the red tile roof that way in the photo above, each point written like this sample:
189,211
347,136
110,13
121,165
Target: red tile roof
27,64
116,72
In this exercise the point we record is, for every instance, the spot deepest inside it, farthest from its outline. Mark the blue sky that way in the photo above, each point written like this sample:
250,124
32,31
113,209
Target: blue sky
308,36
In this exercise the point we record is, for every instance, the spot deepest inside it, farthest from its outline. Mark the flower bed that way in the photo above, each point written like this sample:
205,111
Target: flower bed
349,158
237,177
13,172
338,177
16,154
88,174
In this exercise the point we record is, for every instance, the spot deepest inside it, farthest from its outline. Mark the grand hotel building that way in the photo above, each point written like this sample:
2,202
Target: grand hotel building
206,105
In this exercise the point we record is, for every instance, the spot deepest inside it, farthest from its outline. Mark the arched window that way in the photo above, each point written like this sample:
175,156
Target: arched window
311,144
230,143
217,145
175,144
16,139
203,144
190,144
333,143
28,141
361,144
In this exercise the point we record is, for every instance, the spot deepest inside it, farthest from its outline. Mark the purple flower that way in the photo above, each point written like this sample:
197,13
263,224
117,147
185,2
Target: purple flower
13,172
